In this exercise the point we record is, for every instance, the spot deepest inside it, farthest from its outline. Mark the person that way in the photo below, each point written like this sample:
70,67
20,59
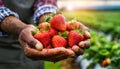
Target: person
17,45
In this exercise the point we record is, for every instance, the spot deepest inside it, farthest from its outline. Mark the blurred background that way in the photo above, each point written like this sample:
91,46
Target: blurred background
103,19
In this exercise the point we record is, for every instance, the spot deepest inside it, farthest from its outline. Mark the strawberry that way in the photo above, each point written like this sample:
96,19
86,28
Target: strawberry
58,22
104,63
58,41
74,38
49,47
43,37
44,26
63,34
72,25
108,60
53,32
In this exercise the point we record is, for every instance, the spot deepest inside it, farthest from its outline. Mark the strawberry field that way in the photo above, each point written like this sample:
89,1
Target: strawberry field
105,42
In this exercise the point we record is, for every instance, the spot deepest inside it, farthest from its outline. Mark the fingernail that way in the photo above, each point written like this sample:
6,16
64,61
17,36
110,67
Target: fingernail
39,46
87,44
87,35
81,44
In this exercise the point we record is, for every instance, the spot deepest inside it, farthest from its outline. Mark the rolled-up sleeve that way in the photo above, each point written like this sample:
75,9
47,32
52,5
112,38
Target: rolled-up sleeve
4,12
44,6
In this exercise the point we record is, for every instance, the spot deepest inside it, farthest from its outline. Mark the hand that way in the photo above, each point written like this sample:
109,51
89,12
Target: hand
83,44
29,44
78,50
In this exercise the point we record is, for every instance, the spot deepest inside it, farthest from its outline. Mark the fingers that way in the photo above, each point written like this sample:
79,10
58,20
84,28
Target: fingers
53,55
33,43
83,27
84,44
85,30
87,35
67,53
77,50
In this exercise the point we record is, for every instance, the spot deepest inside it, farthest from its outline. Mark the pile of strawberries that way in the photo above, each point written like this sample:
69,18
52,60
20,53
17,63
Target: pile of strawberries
57,32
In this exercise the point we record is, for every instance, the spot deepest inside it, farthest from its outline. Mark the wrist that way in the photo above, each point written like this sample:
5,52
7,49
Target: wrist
42,18
42,10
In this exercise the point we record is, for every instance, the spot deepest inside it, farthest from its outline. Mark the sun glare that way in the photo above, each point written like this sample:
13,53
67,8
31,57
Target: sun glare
69,8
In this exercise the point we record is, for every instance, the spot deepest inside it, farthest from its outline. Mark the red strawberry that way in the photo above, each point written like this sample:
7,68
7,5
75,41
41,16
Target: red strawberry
58,41
58,22
43,37
49,47
53,32
72,25
108,60
44,26
104,63
74,38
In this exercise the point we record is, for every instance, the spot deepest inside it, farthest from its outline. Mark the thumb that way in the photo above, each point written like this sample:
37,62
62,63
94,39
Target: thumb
85,30
34,43
39,46
87,34
27,37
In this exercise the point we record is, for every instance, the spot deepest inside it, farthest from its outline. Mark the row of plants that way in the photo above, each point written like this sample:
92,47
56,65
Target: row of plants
105,21
102,51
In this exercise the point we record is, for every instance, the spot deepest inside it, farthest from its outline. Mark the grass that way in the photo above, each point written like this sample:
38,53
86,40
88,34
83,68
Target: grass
51,65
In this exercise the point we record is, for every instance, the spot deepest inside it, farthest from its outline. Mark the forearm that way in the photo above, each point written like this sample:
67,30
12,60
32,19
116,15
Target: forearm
12,25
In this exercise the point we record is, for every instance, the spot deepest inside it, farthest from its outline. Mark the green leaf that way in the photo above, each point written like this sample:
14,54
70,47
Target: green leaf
33,32
48,18
47,28
91,66
78,30
104,52
64,34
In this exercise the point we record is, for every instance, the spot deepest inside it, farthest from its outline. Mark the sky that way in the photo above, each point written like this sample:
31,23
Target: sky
71,4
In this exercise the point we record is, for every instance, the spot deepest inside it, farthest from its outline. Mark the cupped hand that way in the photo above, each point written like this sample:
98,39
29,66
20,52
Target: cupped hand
79,50
30,44
53,55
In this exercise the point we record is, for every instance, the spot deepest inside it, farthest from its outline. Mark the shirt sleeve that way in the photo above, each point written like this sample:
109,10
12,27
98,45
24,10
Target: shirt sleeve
44,6
4,12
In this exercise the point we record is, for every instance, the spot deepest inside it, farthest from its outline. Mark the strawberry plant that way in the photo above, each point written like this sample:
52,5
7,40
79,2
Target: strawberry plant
103,51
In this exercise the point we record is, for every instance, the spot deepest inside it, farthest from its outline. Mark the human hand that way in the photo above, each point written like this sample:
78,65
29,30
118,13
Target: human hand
83,44
29,44
78,49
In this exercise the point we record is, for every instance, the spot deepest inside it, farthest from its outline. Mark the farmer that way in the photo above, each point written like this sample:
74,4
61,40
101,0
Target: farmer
17,45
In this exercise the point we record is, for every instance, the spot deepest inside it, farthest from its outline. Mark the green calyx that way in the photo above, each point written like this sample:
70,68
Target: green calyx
49,17
34,32
72,21
78,30
47,28
64,34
